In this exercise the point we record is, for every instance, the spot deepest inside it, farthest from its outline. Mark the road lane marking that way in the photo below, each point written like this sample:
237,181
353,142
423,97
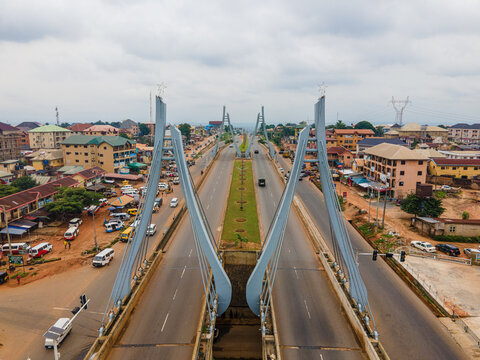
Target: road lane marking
183,272
289,250
175,295
190,254
208,206
295,268
166,318
306,307
321,356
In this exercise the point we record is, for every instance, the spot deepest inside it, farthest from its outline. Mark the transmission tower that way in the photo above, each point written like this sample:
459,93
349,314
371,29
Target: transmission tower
58,119
399,110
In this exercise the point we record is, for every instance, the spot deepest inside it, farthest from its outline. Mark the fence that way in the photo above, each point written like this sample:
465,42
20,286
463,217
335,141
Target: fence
453,259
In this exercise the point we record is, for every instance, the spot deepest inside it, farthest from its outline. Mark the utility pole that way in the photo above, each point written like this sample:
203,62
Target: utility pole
384,208
399,110
94,230
58,119
8,232
378,202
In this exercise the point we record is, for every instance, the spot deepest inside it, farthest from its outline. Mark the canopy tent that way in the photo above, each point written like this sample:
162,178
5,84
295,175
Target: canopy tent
122,200
136,166
13,230
96,187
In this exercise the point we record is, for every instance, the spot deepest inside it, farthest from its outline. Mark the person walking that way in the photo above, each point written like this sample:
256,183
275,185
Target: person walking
69,244
65,243
18,279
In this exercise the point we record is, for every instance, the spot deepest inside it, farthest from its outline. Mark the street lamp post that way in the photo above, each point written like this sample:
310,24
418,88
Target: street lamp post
8,232
94,231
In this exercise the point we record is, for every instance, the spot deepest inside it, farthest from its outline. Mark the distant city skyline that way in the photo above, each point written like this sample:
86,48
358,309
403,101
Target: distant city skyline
102,59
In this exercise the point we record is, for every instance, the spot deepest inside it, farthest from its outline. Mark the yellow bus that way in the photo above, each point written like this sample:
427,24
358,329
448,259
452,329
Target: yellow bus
126,234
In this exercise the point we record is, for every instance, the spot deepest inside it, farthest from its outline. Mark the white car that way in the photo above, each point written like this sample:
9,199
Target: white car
152,229
162,186
281,170
424,246
174,202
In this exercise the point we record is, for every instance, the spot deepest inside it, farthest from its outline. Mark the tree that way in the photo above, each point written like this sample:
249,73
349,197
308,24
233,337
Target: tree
65,125
379,131
415,142
339,125
6,190
144,130
364,125
185,130
24,183
429,207
124,135
465,215
71,201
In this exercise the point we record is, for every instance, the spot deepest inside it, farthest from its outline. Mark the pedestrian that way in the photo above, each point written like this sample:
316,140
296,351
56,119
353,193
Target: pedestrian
69,244
65,243
18,279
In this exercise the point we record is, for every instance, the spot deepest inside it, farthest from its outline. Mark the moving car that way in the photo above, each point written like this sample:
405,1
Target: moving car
255,152
423,245
174,202
281,170
103,257
151,230
126,234
65,325
261,182
75,222
448,249
40,250
176,180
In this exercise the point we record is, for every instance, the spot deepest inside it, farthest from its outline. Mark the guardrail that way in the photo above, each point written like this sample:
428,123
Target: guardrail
434,256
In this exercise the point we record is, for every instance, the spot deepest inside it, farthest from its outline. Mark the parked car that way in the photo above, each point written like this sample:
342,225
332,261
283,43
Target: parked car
176,180
75,222
17,248
114,221
151,230
40,250
121,216
448,249
126,233
174,202
163,187
132,211
111,227
103,202
3,277
65,325
423,245
103,257
469,251
281,170
71,233
93,209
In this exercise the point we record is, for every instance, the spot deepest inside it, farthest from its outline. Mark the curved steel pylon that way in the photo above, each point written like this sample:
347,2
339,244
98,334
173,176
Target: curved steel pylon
260,283
226,119
222,287
252,138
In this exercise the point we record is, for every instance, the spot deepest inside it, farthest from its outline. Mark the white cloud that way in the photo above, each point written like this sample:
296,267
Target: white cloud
99,60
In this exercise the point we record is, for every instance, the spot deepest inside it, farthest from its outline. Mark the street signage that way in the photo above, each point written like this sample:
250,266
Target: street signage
15,259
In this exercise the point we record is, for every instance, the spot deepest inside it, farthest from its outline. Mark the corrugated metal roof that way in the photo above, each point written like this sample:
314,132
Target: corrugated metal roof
48,128
394,152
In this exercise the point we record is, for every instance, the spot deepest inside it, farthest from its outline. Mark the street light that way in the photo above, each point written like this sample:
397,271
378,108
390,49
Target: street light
8,232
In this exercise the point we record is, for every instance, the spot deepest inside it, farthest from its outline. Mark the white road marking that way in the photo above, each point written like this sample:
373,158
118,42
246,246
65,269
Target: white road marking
289,250
321,356
166,318
68,309
271,195
183,272
294,268
306,307
175,295
190,254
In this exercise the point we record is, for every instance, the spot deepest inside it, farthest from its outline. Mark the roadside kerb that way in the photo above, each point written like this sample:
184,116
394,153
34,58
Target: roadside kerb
114,329
373,348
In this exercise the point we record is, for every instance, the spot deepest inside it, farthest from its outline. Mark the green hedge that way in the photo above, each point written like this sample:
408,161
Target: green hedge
459,239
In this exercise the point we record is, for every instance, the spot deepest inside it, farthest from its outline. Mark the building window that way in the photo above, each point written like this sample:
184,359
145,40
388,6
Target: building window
419,173
402,172
464,168
104,148
77,160
402,162
452,228
454,168
420,162
86,161
443,168
400,183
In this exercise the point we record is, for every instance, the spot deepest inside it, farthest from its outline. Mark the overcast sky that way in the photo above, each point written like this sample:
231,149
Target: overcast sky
99,60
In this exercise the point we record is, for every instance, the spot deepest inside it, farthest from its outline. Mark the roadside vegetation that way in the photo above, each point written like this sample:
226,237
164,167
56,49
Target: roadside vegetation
241,224
244,145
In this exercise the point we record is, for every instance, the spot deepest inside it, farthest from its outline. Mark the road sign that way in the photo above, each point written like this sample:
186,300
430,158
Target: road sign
15,259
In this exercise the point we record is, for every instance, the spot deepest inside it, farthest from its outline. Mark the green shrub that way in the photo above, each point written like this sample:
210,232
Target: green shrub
465,215
456,238
440,194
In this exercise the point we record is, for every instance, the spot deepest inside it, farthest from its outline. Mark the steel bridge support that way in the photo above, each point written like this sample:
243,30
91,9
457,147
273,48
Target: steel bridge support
260,283
226,120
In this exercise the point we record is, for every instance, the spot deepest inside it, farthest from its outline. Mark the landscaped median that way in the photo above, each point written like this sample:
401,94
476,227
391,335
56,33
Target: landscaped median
240,227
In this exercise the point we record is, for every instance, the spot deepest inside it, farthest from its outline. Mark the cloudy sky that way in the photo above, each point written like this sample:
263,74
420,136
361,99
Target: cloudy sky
99,60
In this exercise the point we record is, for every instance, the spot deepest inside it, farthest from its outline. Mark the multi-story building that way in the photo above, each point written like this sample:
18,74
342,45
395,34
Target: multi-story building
396,166
48,137
10,138
348,138
46,159
130,126
111,153
468,154
101,130
78,129
465,133
455,168
339,156
367,143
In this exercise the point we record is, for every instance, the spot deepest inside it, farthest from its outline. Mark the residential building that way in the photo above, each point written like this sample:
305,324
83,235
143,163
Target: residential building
468,154
373,141
9,165
101,130
10,138
455,168
78,129
5,177
449,227
338,156
151,127
131,127
46,159
28,125
111,153
358,164
429,153
396,166
465,133
47,137
413,130
348,138
216,124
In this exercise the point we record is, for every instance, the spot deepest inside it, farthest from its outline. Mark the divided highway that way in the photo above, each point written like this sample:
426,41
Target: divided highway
311,324
407,327
164,322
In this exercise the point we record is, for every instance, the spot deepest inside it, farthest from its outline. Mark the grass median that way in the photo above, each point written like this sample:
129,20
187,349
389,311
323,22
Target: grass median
240,227
244,145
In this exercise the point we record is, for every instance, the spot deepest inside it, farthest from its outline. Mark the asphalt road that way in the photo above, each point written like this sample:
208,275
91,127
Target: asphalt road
35,314
311,324
165,321
407,327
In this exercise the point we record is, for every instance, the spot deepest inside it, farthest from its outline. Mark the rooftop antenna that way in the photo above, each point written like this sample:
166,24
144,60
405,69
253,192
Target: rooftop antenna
58,120
399,110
